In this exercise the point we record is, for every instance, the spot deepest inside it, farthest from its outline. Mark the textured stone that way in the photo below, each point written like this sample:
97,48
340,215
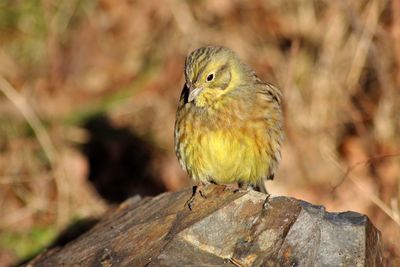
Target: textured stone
226,228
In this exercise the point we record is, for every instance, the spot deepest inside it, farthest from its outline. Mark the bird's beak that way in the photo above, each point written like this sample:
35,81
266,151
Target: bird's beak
194,93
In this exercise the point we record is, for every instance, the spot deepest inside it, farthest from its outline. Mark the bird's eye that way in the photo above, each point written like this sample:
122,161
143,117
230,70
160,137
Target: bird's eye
210,77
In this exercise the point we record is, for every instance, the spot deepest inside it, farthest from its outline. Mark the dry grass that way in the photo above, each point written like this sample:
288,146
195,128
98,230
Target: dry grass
63,62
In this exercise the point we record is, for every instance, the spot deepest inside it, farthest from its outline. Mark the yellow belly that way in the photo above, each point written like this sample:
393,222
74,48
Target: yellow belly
226,157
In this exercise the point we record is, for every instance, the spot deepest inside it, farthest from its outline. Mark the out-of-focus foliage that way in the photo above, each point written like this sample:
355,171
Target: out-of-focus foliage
89,89
27,243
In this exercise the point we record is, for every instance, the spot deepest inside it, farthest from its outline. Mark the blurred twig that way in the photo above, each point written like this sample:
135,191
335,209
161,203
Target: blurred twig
364,43
4,180
374,198
40,132
45,142
364,162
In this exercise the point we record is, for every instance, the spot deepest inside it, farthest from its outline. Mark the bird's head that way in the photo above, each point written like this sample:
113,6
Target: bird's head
210,73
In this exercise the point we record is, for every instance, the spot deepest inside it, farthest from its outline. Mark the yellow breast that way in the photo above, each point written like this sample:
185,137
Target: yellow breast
227,156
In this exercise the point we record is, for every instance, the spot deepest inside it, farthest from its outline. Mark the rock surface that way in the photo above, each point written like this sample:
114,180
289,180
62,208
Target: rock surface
226,228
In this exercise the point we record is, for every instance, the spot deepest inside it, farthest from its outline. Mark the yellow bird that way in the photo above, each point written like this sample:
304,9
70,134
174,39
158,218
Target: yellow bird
229,124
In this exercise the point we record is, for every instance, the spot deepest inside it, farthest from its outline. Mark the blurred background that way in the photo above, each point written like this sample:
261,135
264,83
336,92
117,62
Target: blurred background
89,90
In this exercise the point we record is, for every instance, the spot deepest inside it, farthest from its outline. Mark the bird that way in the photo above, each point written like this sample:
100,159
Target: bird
229,123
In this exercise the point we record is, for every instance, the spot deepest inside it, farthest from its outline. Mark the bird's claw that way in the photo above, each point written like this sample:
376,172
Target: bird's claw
189,202
202,194
196,190
266,204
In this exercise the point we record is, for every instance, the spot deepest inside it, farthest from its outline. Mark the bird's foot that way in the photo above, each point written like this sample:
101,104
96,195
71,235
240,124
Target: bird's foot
255,187
190,201
202,194
197,189
242,187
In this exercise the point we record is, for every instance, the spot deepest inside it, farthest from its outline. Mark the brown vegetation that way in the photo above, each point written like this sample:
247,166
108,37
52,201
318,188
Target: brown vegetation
89,91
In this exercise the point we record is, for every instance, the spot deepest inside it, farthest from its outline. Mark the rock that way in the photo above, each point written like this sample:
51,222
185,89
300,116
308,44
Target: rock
225,228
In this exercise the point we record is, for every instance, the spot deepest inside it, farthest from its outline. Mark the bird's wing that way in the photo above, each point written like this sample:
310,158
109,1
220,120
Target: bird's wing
271,92
269,99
